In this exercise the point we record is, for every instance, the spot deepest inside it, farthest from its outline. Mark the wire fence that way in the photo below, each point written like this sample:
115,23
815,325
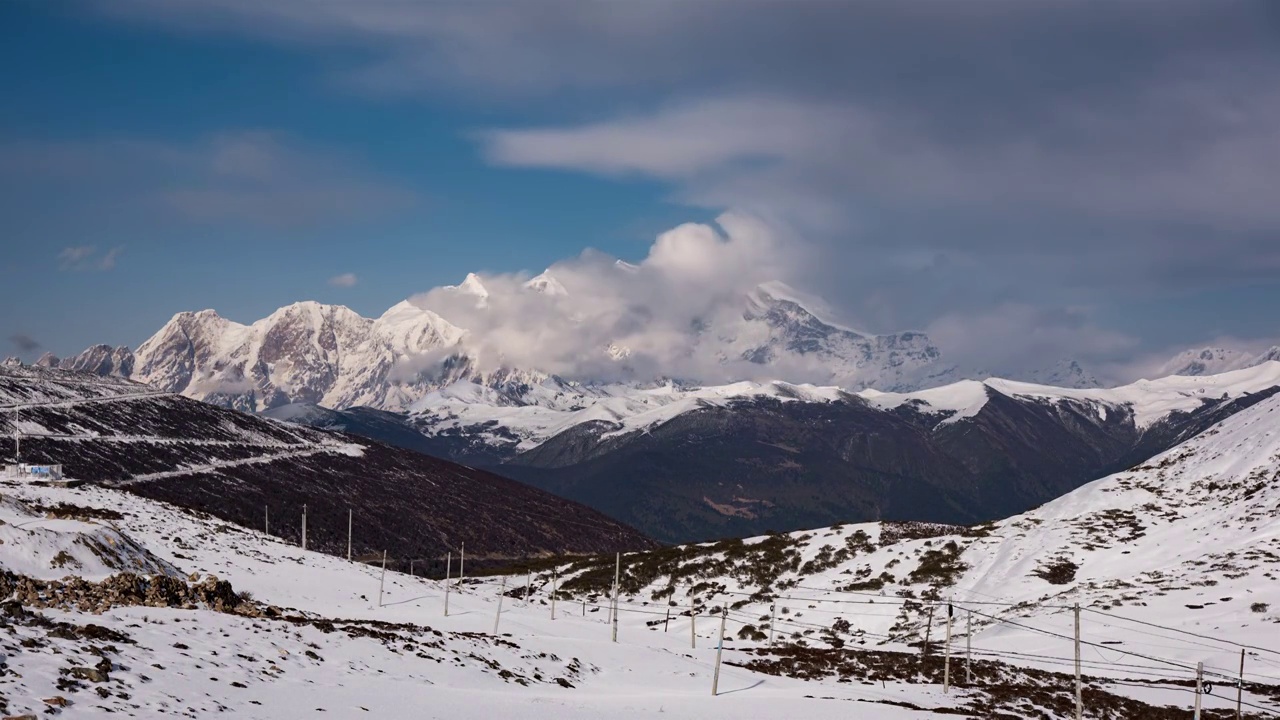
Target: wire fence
1110,665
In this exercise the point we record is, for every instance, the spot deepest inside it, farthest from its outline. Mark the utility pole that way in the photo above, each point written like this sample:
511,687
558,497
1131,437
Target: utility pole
411,573
715,679
528,584
17,440
1079,684
502,591
773,620
1240,686
304,527
946,663
1199,686
666,622
968,648
928,630
383,582
266,519
693,620
617,575
348,534
462,565
448,568
555,574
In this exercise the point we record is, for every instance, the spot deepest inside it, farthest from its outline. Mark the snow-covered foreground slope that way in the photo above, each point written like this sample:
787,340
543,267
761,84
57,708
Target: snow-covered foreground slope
1189,543
342,653
325,635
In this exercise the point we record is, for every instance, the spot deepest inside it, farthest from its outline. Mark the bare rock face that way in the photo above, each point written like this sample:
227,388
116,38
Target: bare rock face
102,360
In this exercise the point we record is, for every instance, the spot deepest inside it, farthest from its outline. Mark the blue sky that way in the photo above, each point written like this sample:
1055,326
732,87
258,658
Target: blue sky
1025,181
76,81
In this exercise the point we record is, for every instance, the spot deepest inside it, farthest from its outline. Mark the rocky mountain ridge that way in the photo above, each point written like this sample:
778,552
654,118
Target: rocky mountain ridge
331,356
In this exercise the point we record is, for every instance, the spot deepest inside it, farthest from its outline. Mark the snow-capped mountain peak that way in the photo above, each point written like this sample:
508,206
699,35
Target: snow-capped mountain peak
1066,374
547,284
472,285
774,295
1205,361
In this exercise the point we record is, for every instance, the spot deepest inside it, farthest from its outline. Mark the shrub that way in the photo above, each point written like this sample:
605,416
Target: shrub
1057,572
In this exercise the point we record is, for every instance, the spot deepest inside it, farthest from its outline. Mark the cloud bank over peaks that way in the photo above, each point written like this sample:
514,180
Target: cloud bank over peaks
728,302
677,313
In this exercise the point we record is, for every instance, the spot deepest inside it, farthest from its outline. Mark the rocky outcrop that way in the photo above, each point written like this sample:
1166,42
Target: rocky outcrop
125,590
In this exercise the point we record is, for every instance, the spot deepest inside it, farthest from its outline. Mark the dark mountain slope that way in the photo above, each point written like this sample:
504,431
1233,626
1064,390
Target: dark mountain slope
754,466
385,427
233,466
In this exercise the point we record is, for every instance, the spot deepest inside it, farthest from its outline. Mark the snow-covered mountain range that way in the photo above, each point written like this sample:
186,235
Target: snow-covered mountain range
744,458
331,356
548,409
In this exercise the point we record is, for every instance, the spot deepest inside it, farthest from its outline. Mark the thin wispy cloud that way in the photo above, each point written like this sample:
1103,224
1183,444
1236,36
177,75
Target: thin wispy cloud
72,257
345,280
247,178
87,257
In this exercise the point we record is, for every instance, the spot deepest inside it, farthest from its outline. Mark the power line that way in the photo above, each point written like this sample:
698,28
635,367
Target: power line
1184,632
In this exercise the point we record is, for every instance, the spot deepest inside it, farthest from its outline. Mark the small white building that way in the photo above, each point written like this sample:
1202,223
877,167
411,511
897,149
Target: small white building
30,473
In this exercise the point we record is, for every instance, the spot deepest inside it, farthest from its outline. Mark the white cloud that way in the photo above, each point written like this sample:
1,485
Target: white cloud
108,260
739,151
694,276
86,257
1013,338
72,257
345,280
